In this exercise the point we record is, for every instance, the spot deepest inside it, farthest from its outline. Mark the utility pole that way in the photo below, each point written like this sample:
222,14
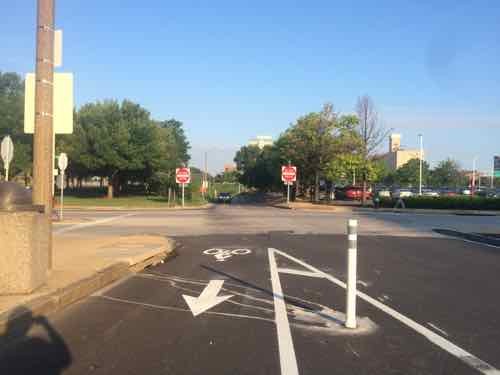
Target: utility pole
43,167
421,164
473,187
205,179
43,135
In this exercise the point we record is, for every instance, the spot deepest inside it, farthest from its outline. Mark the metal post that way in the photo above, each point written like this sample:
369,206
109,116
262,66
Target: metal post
62,196
421,164
287,193
352,232
7,172
473,187
183,195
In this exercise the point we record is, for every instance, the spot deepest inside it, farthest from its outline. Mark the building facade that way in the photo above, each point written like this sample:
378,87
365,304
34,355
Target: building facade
261,141
397,156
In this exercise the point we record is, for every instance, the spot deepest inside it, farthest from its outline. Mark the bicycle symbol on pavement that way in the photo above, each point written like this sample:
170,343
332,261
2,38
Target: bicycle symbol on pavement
222,254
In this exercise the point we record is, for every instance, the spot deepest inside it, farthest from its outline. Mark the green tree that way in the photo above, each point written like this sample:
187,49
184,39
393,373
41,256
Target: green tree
311,143
12,123
409,174
246,161
448,174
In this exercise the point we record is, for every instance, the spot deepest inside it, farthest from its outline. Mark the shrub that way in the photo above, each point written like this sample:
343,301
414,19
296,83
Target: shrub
453,203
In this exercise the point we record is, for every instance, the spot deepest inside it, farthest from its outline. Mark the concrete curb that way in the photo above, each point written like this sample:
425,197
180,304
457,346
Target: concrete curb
429,211
123,208
61,298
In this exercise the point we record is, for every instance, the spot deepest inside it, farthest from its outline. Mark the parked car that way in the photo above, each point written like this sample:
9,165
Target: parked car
224,198
430,193
402,193
447,192
383,193
351,193
466,191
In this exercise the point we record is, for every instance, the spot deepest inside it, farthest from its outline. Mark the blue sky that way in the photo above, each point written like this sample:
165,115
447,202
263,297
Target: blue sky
231,70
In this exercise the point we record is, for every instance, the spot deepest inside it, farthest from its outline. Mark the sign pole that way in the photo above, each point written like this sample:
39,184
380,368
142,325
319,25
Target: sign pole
183,195
352,255
7,153
288,193
62,196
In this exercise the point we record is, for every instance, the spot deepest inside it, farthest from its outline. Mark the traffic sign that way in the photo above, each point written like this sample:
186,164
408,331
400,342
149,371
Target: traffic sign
183,175
62,161
496,166
7,151
288,173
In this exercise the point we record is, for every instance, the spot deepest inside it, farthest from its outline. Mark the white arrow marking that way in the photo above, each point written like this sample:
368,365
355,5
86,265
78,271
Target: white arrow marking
207,299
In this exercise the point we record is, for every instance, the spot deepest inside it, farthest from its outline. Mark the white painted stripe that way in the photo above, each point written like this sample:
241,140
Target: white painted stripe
437,328
361,282
433,337
353,223
291,271
288,362
91,224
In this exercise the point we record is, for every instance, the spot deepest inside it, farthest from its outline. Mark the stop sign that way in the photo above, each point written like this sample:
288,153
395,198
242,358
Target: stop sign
183,175
288,173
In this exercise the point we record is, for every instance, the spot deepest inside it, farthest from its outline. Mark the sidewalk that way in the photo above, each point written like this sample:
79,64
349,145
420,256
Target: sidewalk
83,266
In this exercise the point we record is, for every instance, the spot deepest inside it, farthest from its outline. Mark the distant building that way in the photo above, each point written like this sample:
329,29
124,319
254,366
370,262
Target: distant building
397,156
261,141
228,168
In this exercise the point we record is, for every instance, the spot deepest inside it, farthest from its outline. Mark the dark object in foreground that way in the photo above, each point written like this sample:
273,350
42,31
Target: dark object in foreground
224,198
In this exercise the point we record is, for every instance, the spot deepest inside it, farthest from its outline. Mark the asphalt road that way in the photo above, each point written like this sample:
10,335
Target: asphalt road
428,304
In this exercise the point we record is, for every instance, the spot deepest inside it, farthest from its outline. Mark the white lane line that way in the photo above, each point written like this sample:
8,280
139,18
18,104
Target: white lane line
288,362
437,328
433,337
90,224
170,308
292,271
361,282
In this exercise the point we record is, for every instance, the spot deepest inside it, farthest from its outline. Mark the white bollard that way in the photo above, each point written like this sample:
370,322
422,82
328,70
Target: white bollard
352,254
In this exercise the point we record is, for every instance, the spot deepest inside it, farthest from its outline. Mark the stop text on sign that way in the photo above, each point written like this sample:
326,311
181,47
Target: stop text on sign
183,175
288,173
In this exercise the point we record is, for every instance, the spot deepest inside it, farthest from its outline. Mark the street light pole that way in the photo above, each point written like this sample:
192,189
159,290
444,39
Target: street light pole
473,187
421,164
42,139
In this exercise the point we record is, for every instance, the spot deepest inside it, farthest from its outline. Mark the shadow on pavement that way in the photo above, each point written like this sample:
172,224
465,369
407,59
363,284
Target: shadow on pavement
288,300
23,354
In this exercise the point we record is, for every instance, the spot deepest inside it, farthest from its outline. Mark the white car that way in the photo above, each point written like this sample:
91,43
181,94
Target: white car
402,193
430,193
384,193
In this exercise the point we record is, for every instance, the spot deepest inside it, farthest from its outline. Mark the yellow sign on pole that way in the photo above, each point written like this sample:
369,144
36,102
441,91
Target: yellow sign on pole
63,103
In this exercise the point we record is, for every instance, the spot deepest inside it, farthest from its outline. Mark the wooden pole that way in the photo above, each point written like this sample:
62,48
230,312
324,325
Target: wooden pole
43,167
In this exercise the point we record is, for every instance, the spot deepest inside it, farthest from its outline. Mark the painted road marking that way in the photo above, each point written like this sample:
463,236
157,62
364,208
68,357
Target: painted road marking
222,254
433,337
437,328
288,361
207,299
91,224
292,271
